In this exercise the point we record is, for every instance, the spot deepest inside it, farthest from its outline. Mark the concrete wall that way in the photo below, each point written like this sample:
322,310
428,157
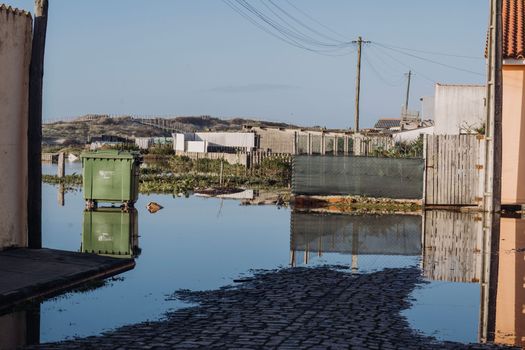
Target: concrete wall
15,54
275,140
196,146
513,140
228,139
244,140
412,135
459,108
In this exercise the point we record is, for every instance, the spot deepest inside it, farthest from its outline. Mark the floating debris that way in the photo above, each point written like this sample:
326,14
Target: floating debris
154,207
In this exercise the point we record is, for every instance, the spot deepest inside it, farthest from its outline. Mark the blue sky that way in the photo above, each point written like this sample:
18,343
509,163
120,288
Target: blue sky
195,57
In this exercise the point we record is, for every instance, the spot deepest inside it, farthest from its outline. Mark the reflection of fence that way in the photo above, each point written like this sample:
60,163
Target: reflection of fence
365,176
358,234
371,242
454,169
452,246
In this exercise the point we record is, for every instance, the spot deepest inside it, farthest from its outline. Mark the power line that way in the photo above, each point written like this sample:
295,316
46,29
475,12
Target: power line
432,52
345,43
429,60
287,33
316,21
283,29
434,81
376,71
261,27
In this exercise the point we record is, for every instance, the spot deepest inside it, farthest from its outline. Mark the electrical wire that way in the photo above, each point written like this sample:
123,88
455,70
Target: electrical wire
343,37
417,73
283,29
376,71
431,52
429,60
287,34
307,27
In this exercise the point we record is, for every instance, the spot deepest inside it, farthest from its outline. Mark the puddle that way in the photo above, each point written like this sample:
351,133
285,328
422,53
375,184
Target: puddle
206,243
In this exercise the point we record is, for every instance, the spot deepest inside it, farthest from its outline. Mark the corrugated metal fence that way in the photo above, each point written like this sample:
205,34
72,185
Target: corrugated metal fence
364,176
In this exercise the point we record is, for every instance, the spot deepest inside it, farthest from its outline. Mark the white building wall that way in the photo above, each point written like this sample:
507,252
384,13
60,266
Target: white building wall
412,135
459,108
227,139
178,142
15,55
197,146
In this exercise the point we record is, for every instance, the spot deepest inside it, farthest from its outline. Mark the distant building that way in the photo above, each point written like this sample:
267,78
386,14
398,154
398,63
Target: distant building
388,124
203,142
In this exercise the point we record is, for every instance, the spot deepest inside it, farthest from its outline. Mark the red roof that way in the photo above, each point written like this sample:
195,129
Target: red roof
514,29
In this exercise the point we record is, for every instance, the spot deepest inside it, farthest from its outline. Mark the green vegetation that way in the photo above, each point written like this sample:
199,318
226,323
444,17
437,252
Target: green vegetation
412,149
181,175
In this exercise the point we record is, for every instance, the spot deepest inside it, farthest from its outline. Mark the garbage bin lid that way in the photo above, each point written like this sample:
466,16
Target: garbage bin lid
110,154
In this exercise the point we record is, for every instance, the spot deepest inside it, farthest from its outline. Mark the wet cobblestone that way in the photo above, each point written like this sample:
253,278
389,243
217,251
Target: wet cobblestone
299,308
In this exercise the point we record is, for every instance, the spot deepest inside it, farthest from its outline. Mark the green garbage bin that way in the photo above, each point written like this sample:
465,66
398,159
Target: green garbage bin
110,176
110,232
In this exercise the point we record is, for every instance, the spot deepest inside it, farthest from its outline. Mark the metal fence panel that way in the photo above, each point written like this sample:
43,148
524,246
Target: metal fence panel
356,234
364,176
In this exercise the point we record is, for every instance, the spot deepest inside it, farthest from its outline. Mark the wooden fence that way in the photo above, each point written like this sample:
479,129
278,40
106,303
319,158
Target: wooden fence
452,246
454,170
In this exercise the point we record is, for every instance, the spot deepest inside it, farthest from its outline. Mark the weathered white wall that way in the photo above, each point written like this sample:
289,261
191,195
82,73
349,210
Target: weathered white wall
458,108
178,142
15,54
412,135
227,139
197,146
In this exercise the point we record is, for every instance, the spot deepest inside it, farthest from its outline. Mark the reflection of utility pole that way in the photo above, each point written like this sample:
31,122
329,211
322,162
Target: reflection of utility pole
60,195
359,43
355,250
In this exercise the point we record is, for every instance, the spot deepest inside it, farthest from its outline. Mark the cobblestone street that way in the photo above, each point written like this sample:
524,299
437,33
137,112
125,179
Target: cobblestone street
307,308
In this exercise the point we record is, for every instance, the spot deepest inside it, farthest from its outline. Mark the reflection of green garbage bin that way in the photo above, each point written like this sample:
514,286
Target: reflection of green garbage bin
110,231
110,176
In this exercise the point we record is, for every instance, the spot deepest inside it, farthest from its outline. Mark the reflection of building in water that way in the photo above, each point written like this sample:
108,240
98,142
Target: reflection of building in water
354,234
20,328
110,231
452,246
510,302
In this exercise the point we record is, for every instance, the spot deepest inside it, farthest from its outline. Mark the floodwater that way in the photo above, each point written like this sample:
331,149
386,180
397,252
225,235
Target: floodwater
205,243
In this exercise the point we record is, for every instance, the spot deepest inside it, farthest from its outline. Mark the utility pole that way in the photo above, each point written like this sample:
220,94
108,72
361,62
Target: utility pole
492,166
409,75
359,43
34,130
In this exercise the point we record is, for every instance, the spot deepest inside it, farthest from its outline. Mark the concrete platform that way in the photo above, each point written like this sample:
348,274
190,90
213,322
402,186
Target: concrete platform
31,273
